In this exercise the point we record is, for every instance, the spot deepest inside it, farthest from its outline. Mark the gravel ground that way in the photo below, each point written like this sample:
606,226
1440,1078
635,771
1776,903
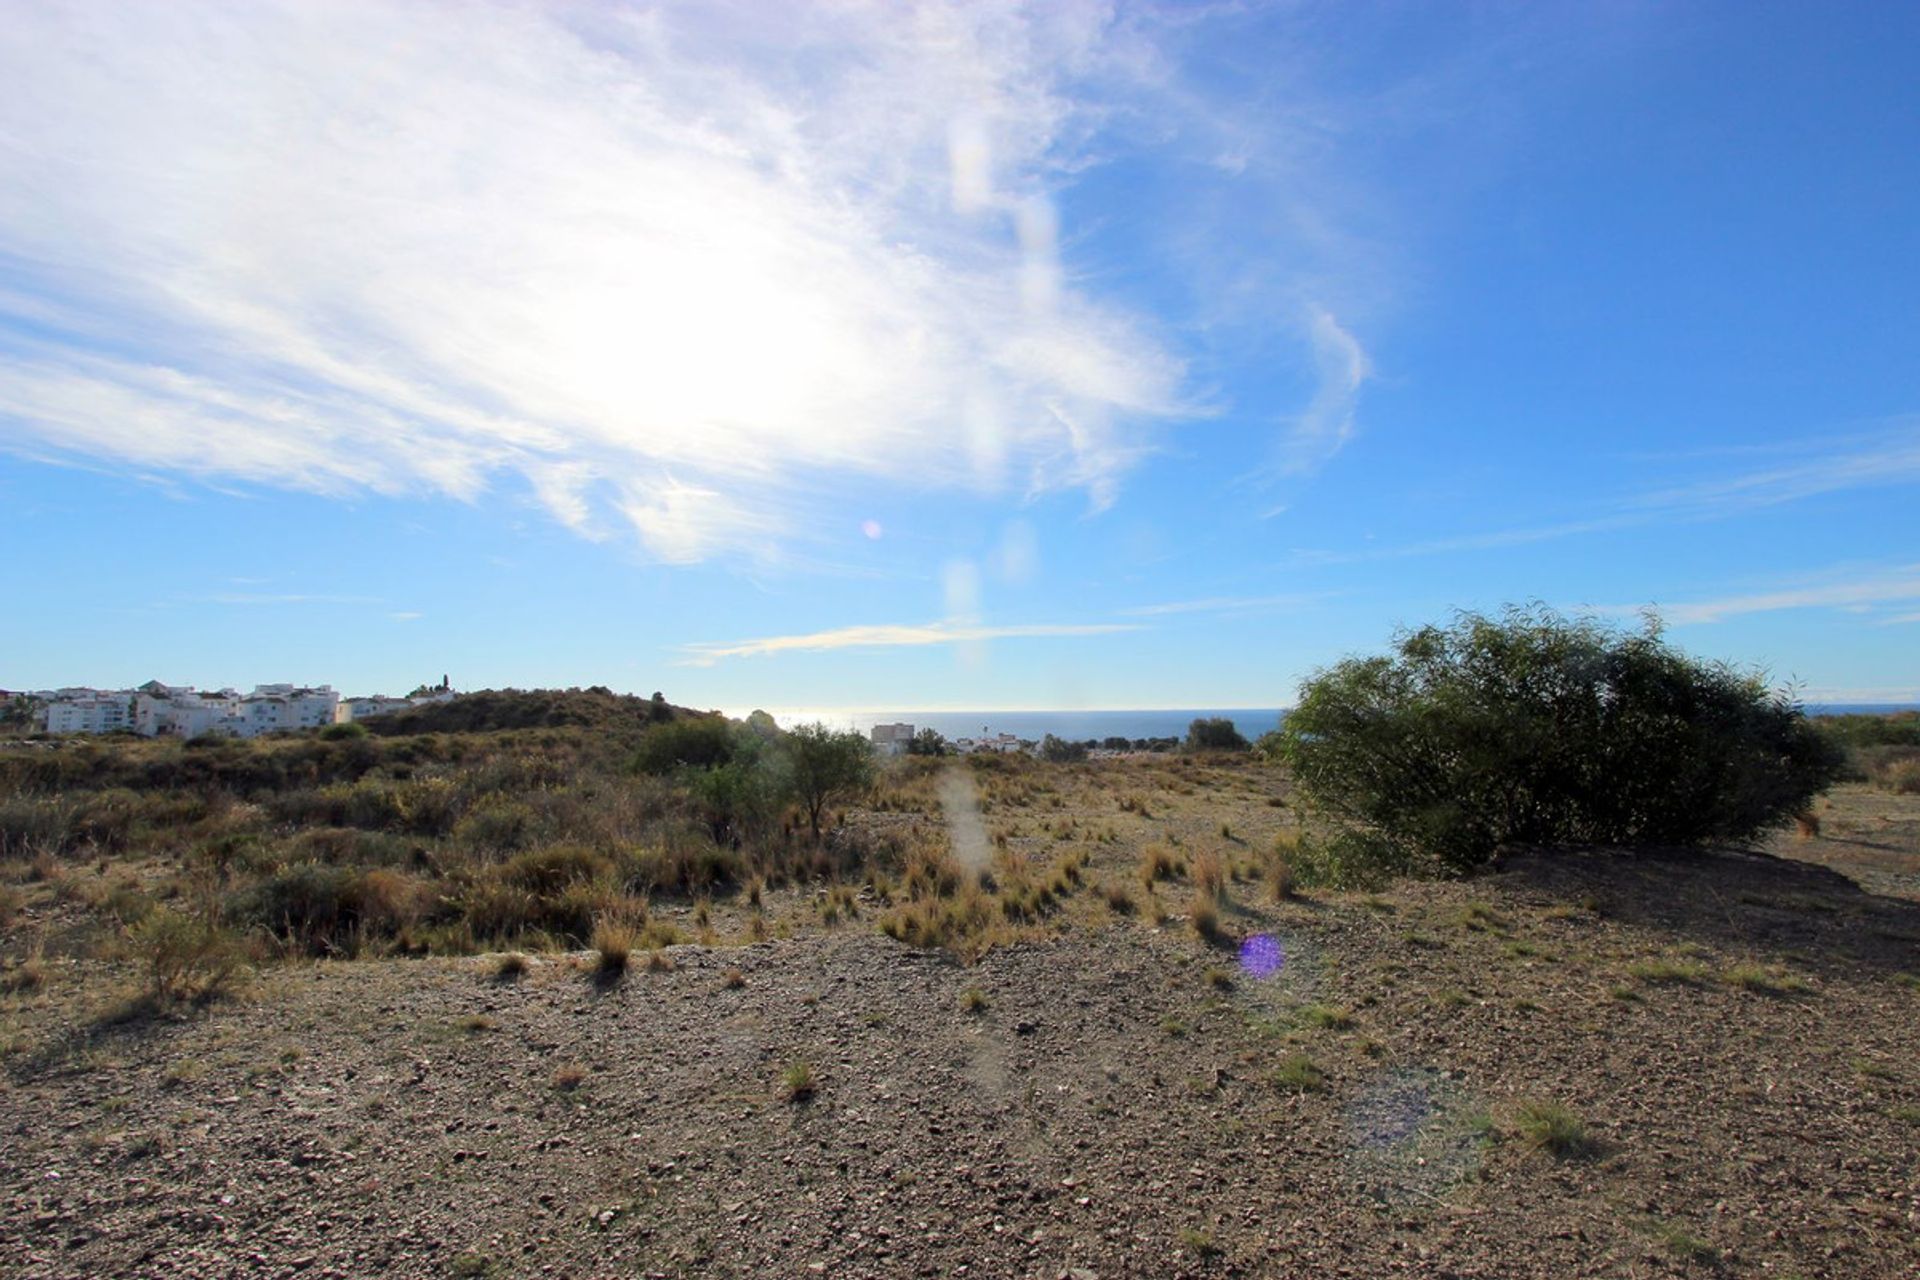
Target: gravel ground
1735,1037
1110,1110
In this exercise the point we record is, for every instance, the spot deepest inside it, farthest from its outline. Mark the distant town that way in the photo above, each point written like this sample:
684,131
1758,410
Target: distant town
157,710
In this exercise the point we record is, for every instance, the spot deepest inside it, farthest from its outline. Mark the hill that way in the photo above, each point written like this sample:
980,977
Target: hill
489,710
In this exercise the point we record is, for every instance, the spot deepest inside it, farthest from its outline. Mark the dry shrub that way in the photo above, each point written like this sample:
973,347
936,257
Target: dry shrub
1205,917
614,941
966,924
185,957
1209,875
1158,862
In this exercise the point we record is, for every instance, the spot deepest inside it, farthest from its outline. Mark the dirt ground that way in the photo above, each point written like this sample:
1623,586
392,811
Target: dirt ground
1339,1085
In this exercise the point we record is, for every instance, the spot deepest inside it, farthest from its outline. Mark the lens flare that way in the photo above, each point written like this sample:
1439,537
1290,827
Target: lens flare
1261,955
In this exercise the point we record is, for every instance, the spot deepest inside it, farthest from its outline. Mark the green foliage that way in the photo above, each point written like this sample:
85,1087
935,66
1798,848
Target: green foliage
927,742
1216,733
184,956
740,800
823,764
1060,751
1533,729
699,743
345,731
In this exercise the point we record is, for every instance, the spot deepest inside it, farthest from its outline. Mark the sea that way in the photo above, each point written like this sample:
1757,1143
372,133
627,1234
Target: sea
1074,726
1078,726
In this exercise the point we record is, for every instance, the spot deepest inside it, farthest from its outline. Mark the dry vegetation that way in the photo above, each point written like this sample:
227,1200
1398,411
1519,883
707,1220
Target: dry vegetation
492,1004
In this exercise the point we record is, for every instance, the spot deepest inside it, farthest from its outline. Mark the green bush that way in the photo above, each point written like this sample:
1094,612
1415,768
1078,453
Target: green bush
824,764
1533,729
699,743
345,731
1060,751
1216,733
185,957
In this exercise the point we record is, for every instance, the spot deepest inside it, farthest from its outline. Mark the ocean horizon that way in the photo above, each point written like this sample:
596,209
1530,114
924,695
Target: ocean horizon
1075,726
1080,725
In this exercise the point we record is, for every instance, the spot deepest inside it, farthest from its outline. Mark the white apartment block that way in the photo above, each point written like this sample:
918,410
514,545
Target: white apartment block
156,709
99,714
377,704
891,739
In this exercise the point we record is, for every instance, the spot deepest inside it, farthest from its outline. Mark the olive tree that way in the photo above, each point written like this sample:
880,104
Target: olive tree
822,764
1534,729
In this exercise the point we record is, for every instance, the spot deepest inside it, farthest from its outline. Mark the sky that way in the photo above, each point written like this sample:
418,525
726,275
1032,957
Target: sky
950,355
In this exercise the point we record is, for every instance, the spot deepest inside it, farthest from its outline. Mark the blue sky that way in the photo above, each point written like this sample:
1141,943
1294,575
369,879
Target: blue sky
950,355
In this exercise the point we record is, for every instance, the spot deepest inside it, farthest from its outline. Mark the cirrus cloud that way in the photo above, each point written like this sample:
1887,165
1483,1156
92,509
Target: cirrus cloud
679,277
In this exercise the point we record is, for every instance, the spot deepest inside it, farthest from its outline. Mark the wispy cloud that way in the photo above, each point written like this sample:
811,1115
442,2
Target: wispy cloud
1878,461
1327,423
891,636
1876,588
676,277
1228,604
1875,461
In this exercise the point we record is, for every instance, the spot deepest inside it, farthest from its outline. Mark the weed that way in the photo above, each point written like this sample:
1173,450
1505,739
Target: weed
1173,1027
1219,977
1327,1017
1480,918
569,1076
1684,1245
1199,1243
1667,971
512,965
473,1023
733,980
1551,1127
973,1000
1754,978
1905,1114
798,1082
1118,897
1297,1073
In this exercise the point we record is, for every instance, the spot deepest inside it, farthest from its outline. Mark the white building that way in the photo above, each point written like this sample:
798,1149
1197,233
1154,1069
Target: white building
272,708
101,713
378,704
892,739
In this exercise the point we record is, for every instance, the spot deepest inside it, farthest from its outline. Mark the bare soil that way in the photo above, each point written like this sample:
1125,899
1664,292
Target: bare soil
1737,1032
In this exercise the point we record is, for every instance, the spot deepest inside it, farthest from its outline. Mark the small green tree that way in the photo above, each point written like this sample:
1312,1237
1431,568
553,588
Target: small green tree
700,742
823,763
927,742
1532,729
1060,751
1214,733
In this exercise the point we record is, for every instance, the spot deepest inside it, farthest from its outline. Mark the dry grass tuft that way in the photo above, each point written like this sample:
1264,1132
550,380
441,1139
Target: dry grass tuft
1551,1127
614,941
798,1083
1205,918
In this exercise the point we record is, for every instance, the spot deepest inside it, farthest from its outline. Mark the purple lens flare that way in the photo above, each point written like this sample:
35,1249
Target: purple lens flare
1261,955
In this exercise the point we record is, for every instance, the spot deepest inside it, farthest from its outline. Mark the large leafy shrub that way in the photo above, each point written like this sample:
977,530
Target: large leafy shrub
1534,729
